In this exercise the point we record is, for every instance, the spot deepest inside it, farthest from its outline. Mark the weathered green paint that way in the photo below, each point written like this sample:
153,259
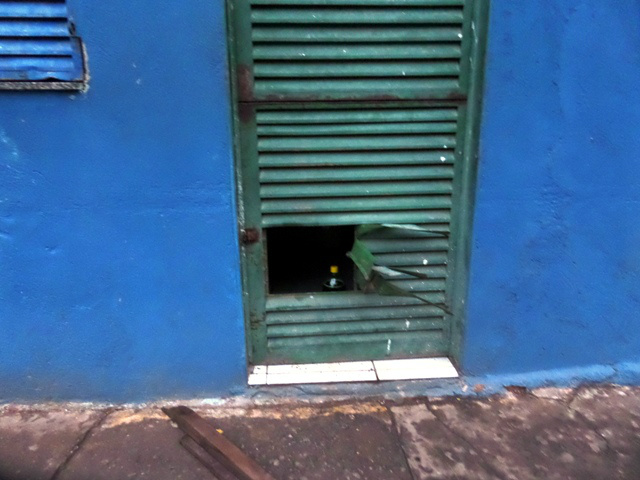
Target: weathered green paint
351,326
352,49
355,152
287,14
462,220
404,281
319,163
253,255
362,258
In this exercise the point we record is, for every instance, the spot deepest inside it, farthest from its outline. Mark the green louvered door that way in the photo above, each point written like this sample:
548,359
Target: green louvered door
357,112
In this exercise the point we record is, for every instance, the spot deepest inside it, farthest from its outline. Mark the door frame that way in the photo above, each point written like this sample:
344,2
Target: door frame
462,217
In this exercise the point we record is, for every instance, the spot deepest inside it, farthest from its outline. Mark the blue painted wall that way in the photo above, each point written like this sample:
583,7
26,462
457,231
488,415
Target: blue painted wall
555,275
119,270
118,259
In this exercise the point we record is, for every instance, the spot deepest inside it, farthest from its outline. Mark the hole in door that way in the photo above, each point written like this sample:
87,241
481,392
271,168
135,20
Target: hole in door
299,258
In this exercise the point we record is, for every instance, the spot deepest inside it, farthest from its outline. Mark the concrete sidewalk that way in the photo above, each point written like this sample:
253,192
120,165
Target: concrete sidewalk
588,433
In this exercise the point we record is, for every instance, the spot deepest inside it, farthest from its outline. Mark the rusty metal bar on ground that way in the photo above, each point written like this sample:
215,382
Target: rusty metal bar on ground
209,462
215,444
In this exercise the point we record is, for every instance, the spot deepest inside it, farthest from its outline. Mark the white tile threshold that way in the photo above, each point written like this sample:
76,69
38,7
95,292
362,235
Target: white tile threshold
347,372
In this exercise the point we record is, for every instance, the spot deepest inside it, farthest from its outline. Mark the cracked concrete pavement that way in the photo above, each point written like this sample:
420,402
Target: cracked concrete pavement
589,432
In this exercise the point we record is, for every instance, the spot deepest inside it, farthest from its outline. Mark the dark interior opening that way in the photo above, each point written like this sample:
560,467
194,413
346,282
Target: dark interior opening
299,258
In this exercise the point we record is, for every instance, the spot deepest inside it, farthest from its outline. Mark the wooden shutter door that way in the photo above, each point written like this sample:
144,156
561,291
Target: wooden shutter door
354,112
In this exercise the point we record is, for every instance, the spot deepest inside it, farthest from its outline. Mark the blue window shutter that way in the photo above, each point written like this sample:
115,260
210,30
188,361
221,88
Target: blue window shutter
37,46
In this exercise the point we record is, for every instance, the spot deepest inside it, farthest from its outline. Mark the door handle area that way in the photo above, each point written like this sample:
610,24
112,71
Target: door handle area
249,236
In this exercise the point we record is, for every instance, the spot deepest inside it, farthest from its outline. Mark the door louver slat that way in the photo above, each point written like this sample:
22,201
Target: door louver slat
354,189
322,49
373,171
370,323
